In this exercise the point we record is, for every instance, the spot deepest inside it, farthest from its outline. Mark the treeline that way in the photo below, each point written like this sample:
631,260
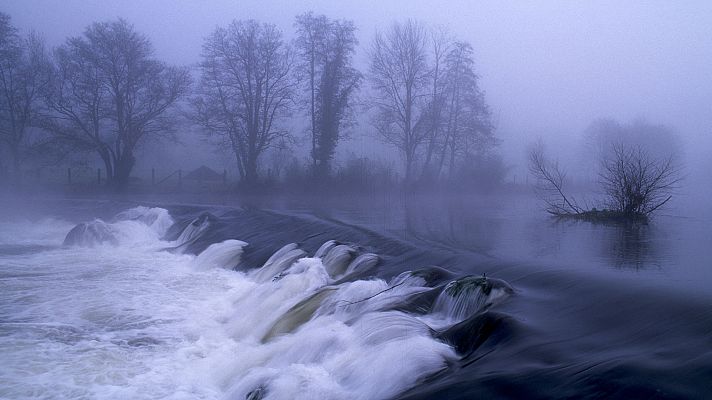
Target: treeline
105,94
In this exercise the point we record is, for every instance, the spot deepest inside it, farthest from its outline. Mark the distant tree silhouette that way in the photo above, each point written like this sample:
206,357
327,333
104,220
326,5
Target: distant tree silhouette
109,94
24,75
245,88
399,74
440,43
326,49
428,101
468,126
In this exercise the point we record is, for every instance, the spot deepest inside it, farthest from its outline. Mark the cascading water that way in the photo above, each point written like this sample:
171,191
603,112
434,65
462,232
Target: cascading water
337,259
364,263
325,248
91,234
138,321
468,296
220,255
193,231
156,218
278,263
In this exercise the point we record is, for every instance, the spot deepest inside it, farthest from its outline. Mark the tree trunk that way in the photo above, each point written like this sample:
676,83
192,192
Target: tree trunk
408,168
106,158
443,153
312,73
322,169
452,161
425,175
251,176
122,170
240,167
16,164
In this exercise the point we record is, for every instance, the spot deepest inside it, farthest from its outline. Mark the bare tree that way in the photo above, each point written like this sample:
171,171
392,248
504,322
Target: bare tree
326,48
441,43
468,126
110,94
550,183
245,88
24,75
310,42
634,182
399,74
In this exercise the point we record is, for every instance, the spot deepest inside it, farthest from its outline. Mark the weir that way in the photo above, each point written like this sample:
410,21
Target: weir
330,311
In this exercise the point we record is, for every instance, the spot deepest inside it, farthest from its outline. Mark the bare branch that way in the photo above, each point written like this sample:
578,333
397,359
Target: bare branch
550,182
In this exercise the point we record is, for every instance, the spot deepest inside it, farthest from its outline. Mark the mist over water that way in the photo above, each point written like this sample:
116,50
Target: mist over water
252,315
129,318
355,200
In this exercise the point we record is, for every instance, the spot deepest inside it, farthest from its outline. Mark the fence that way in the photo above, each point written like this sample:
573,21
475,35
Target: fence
79,178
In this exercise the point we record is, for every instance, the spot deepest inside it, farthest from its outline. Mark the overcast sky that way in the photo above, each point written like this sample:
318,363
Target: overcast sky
549,67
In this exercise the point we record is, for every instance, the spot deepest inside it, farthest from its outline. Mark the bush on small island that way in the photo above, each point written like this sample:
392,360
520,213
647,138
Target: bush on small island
634,185
594,215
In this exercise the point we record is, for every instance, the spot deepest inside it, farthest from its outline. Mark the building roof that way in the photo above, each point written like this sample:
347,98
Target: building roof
204,174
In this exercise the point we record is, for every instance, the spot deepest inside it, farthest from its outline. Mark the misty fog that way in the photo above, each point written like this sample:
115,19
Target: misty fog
547,70
243,199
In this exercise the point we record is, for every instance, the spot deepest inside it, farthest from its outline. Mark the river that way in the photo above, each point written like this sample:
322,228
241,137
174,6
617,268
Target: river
365,297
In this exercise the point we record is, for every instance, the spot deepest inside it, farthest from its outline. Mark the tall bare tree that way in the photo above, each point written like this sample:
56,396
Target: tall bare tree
399,74
468,125
310,42
326,50
245,88
440,44
24,75
109,94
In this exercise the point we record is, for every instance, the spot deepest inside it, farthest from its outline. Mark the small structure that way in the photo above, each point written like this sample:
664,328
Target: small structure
204,174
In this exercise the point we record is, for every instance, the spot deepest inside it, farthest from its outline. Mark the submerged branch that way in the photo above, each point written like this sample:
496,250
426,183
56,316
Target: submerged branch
348,303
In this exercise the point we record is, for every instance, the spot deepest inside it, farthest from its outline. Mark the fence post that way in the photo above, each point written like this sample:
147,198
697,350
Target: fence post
224,177
69,175
153,177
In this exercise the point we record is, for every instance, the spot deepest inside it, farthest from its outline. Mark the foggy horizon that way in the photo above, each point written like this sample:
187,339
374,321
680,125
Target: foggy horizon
355,200
548,69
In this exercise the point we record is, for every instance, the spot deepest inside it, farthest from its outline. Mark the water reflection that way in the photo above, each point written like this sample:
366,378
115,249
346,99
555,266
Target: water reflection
455,223
628,246
618,245
509,228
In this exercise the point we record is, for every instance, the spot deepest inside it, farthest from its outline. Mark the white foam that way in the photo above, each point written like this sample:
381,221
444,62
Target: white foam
278,263
453,306
338,258
156,218
132,321
139,226
45,231
324,248
220,255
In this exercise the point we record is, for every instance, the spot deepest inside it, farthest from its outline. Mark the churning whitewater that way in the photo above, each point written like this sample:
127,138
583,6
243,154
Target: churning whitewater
123,309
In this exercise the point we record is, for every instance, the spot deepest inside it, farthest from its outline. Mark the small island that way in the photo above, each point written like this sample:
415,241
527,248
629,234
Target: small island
634,185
